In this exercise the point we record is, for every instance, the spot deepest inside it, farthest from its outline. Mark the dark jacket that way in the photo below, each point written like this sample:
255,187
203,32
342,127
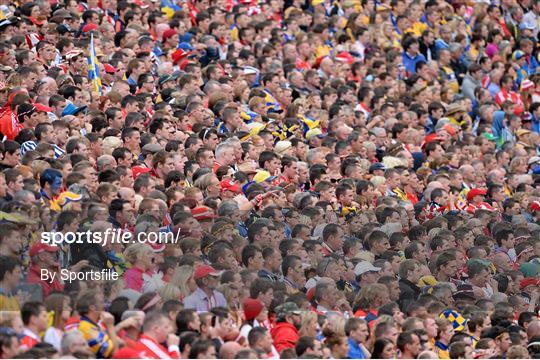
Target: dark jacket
409,293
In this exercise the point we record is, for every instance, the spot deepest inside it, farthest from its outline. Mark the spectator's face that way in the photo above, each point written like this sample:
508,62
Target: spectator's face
391,334
209,354
361,334
415,347
195,323
503,342
41,320
389,351
16,185
273,262
163,329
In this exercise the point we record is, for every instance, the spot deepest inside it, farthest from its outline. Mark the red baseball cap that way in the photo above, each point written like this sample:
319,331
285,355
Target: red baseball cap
178,55
203,271
228,184
528,281
109,69
475,192
42,108
138,170
40,247
203,213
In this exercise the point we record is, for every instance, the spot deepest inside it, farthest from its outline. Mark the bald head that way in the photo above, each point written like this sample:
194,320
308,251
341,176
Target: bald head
501,262
229,350
533,329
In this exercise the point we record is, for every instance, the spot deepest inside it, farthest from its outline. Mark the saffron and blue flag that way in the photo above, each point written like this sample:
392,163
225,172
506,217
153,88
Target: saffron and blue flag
93,68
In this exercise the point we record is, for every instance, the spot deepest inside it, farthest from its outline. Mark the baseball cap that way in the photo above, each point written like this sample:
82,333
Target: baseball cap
316,132
363,267
250,70
42,108
71,109
475,192
288,308
139,170
376,166
203,271
263,175
186,46
534,160
230,185
109,69
40,247
282,146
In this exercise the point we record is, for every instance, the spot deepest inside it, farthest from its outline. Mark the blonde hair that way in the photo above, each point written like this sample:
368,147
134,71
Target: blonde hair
180,279
227,290
204,181
369,294
169,292
307,318
110,143
135,252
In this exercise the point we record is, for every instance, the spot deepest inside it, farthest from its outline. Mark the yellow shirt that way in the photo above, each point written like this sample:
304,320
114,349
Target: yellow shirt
417,29
8,302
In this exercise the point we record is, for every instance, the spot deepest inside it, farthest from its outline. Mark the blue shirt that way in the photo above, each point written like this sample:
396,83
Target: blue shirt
536,125
410,63
355,350
199,301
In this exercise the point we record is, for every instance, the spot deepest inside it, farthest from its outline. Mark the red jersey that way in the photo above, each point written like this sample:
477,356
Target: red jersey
154,350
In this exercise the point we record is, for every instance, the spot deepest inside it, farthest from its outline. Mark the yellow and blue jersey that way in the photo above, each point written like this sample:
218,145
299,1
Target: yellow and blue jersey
97,338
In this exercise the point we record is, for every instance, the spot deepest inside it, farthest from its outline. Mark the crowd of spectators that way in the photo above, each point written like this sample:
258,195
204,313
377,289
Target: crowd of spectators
292,179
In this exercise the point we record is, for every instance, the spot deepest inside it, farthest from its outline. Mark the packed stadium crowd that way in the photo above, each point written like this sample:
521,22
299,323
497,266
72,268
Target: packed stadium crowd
270,179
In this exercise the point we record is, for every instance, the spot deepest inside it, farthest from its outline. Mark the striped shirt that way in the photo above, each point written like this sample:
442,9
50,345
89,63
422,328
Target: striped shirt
31,145
97,338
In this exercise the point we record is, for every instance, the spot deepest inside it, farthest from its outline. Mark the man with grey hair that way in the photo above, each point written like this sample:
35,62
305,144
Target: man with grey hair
73,344
225,155
105,162
25,197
